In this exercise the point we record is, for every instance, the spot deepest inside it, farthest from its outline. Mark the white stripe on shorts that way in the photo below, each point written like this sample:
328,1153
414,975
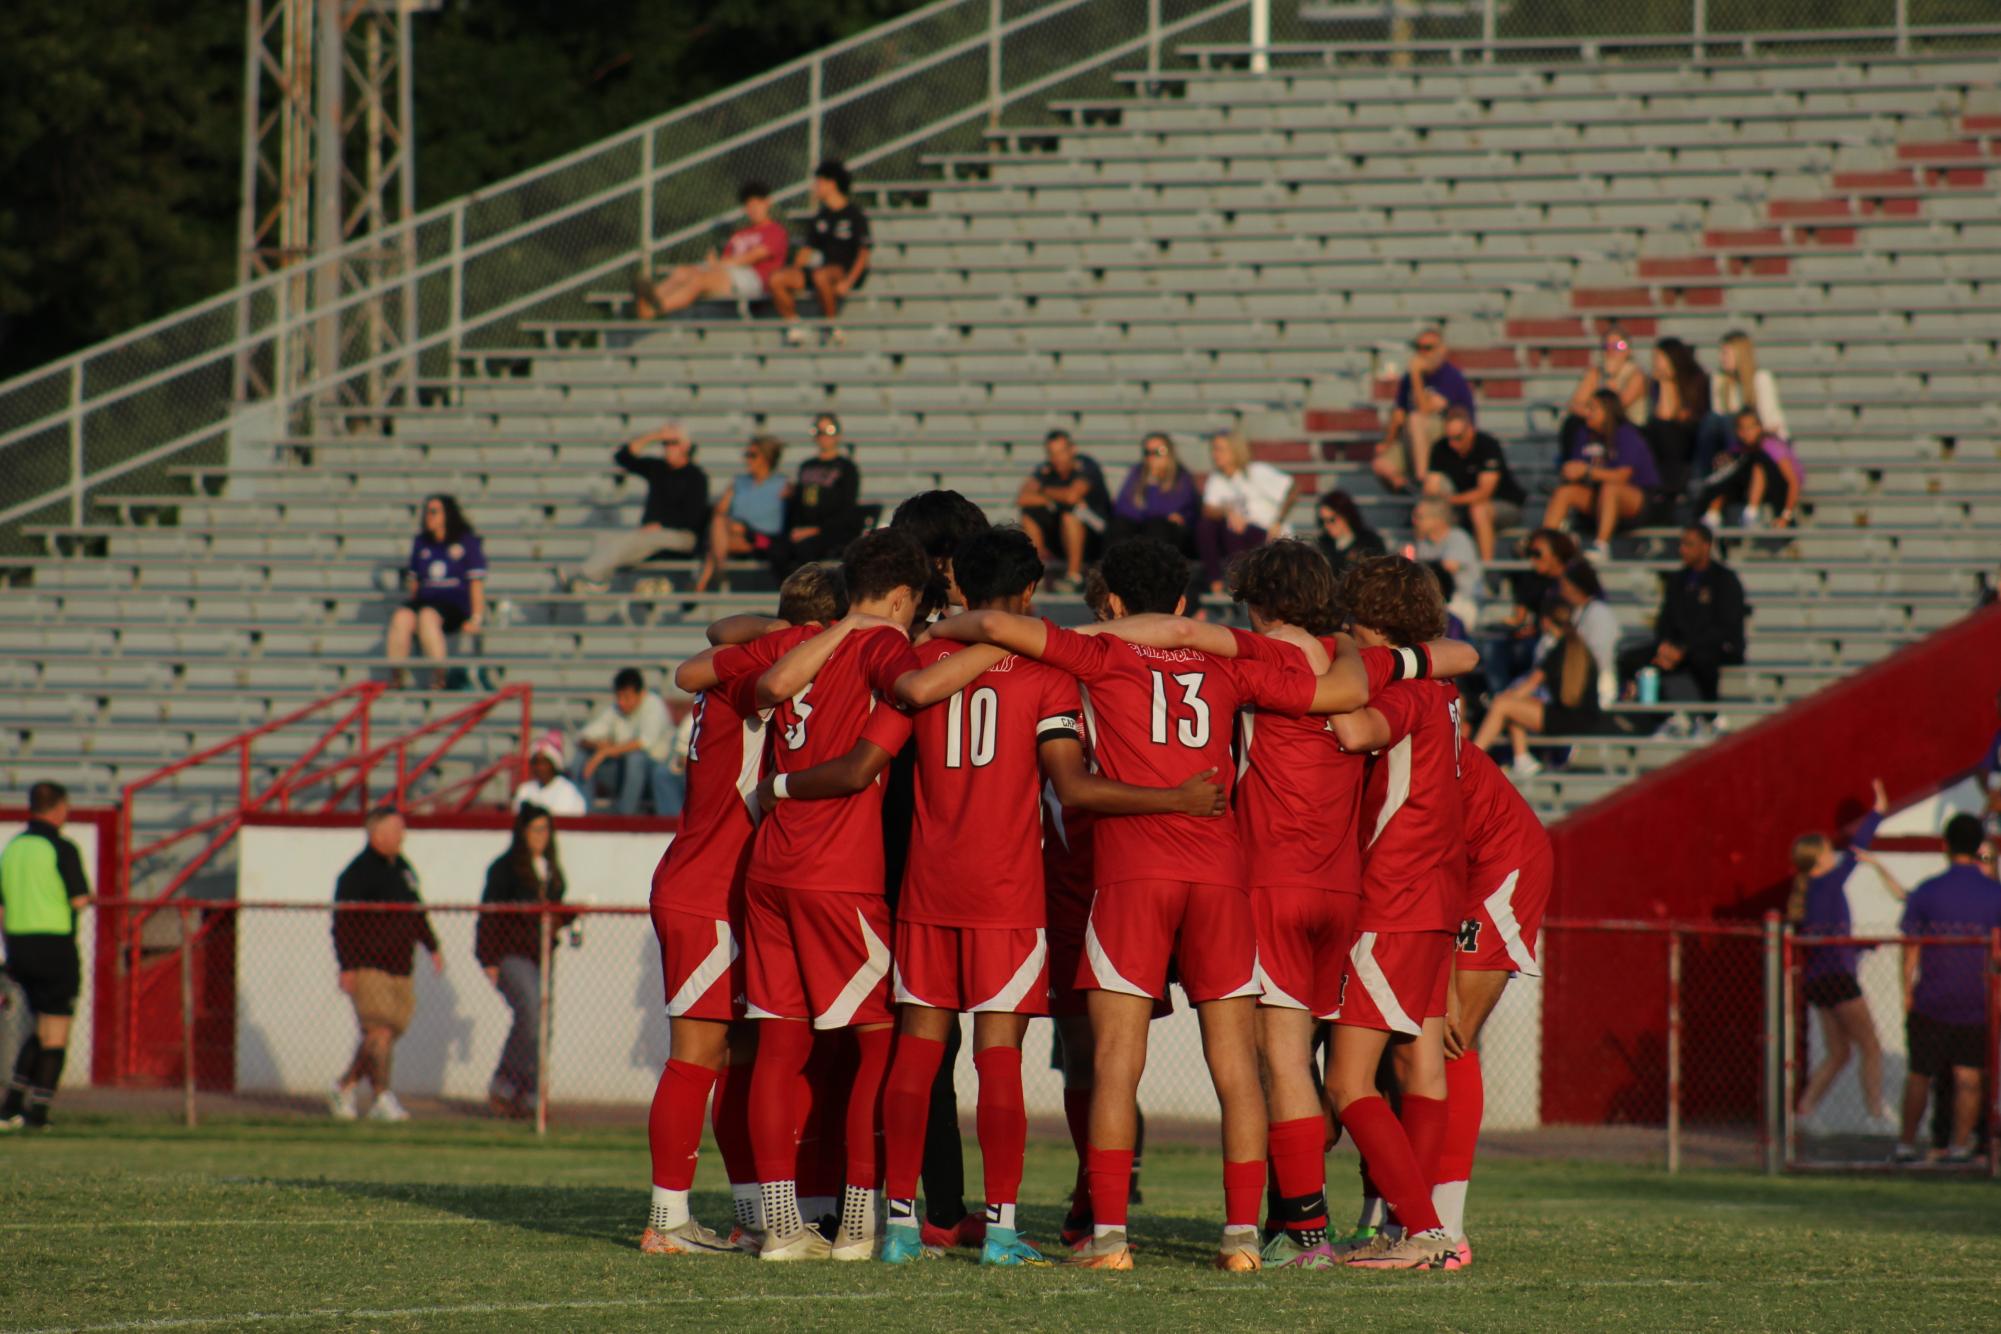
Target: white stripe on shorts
1370,974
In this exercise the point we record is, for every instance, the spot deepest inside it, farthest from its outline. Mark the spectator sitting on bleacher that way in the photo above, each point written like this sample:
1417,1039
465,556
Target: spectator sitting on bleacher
1615,370
677,505
627,742
1065,501
824,512
1440,540
1345,536
741,273
834,255
446,580
1158,498
1680,406
1565,695
1699,629
749,516
1738,385
1607,470
1425,391
1759,467
1244,503
1472,475
547,786
1548,550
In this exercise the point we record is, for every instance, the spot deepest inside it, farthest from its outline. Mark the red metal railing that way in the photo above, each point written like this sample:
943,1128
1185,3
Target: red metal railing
345,713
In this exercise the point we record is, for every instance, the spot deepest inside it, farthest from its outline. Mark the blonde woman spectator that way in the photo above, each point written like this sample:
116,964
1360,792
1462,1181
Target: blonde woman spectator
1738,384
1615,372
749,517
1244,504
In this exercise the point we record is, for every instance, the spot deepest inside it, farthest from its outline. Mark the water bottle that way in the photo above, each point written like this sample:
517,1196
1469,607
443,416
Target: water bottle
1649,682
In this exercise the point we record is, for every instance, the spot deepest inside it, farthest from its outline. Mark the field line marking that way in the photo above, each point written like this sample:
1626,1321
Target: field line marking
1065,1293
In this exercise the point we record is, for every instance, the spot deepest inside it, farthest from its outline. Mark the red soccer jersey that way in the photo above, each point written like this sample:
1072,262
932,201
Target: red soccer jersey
702,869
1502,832
1156,717
834,844
1414,855
1297,791
976,841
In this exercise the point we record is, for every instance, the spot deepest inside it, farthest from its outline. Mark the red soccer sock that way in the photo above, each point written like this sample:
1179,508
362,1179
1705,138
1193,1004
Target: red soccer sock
1002,1122
777,1080
674,1127
1298,1160
864,1120
1424,1121
906,1108
729,1114
1465,1105
1391,1163
1077,1112
1243,1188
1110,1175
823,1154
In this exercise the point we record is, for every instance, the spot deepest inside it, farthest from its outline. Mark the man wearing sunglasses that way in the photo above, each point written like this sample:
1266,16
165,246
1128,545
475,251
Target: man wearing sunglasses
1427,389
677,505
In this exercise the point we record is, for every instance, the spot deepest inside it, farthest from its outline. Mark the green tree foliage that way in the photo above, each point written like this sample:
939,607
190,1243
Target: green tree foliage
121,125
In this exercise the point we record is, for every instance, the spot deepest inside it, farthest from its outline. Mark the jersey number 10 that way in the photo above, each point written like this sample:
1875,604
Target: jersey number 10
985,710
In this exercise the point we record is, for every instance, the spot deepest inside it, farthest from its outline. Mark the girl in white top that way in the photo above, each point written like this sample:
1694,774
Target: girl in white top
1244,503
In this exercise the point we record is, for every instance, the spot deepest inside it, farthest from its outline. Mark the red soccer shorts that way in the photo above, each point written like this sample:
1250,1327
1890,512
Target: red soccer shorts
702,963
1499,933
1395,980
1303,940
818,956
972,969
1137,925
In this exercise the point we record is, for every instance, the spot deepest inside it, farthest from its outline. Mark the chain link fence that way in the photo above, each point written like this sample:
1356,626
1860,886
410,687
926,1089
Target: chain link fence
1673,1043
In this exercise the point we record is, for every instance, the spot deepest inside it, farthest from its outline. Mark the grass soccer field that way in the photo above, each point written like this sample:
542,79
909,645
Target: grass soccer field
112,1225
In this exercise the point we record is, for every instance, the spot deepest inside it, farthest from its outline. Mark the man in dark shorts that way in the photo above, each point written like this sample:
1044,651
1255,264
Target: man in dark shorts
1064,505
833,255
1945,989
41,887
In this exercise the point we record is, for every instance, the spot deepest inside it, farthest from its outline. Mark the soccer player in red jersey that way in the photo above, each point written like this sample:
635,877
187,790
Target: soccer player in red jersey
1156,716
1395,982
1508,870
1297,801
697,908
816,924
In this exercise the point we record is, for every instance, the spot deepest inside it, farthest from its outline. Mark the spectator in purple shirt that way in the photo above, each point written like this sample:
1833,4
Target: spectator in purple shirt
1819,907
1427,389
1158,498
446,580
1945,987
1607,470
1759,467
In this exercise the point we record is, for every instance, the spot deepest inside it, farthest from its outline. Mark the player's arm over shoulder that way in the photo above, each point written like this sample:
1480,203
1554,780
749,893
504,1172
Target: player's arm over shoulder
1026,635
945,674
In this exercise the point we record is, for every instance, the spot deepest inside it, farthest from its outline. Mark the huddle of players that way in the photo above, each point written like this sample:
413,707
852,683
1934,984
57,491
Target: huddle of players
1284,819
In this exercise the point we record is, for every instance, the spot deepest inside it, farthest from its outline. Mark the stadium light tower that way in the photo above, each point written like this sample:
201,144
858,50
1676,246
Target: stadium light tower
328,157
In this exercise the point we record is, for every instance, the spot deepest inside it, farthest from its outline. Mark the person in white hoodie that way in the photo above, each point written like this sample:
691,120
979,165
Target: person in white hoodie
547,786
1243,505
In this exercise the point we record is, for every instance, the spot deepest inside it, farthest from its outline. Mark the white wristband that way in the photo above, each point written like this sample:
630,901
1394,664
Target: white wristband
778,787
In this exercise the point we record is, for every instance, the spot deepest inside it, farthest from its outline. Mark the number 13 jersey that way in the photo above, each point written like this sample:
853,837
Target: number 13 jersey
976,841
1157,717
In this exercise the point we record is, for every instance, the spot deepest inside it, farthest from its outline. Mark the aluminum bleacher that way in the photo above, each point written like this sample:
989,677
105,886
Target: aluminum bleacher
1213,247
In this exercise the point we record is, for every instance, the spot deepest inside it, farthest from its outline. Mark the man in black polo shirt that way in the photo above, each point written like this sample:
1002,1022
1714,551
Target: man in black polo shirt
677,507
1699,628
1472,475
1065,501
42,886
375,952
833,255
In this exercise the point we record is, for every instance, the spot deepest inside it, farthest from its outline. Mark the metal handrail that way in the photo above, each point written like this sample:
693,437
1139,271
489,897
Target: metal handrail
1746,41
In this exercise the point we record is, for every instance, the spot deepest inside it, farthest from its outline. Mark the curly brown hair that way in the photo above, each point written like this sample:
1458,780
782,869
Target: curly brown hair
1287,580
1395,597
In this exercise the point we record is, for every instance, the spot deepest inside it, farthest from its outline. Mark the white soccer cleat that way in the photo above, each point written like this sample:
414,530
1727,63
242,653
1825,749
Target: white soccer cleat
805,1244
341,1103
848,1246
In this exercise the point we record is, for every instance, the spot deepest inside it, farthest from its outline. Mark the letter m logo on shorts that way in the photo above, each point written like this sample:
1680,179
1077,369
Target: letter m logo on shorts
1469,936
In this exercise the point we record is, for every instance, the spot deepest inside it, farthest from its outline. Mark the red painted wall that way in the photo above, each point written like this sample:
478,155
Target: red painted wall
1710,836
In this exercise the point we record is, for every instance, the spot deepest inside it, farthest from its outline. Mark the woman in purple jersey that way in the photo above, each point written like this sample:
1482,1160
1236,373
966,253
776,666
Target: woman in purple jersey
1819,907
